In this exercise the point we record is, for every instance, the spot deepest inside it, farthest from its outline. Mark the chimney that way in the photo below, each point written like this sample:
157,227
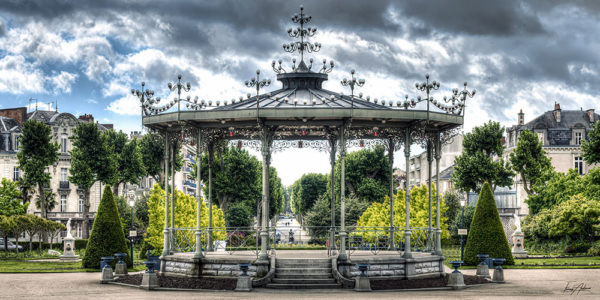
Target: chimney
591,115
521,117
557,112
87,117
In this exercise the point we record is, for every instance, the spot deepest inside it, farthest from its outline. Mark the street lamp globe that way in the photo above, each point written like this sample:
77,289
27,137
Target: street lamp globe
131,202
463,202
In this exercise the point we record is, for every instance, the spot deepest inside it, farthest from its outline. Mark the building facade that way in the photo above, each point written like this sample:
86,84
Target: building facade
561,133
69,198
418,164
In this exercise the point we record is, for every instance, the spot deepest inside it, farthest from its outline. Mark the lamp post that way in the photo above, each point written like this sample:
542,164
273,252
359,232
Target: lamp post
146,100
131,204
352,83
258,84
462,224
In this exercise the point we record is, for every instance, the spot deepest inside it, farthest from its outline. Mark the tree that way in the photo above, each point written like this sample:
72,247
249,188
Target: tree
378,214
355,207
6,227
106,238
236,176
476,164
90,162
36,153
10,199
49,201
367,173
140,210
185,216
275,193
130,167
461,222
318,218
53,229
556,189
486,234
152,149
35,226
529,160
452,199
309,188
238,215
21,224
591,147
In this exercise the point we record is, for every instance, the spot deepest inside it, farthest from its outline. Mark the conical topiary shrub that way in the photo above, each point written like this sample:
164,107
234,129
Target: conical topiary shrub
107,237
486,235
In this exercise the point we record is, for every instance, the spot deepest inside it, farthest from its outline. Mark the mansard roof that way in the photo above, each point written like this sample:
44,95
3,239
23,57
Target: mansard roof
568,119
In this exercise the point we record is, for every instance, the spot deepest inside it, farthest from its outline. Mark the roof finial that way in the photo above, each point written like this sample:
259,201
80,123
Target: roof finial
302,33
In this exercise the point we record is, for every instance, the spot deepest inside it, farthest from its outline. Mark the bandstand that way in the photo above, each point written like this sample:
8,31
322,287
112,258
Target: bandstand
301,114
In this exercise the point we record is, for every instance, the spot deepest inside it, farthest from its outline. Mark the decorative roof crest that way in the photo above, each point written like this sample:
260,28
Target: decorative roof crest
301,46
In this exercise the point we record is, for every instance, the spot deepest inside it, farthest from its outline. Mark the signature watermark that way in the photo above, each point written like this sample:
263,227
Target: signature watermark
575,287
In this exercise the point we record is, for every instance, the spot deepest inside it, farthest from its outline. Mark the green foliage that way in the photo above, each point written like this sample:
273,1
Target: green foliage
140,210
307,191
91,161
378,214
591,147
452,200
106,237
10,199
355,207
319,218
577,218
236,177
238,215
36,153
558,188
49,201
152,149
129,164
185,217
476,164
35,226
367,173
457,223
275,193
594,249
124,213
7,223
529,160
486,232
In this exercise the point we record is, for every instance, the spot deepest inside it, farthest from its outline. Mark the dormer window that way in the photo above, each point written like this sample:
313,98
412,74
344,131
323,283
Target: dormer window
578,136
540,137
63,143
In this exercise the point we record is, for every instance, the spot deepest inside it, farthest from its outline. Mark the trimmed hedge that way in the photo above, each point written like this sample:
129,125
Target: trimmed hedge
486,234
107,237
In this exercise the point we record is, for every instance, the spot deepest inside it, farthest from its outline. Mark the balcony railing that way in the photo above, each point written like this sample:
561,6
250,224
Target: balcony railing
66,215
63,185
189,183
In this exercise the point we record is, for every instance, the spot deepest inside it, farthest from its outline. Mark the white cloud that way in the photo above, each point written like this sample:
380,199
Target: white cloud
127,105
62,82
92,101
17,76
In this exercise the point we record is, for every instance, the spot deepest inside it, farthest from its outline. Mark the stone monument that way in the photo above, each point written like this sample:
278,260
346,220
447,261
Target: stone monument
69,246
517,238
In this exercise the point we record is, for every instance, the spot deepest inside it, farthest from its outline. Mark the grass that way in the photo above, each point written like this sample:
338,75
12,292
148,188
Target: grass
581,262
22,263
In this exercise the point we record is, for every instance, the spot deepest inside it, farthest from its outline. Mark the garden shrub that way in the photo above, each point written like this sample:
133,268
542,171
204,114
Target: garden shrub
107,236
486,234
595,249
81,244
578,247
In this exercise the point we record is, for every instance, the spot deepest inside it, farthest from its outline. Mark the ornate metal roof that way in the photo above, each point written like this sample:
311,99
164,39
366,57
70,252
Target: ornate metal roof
301,108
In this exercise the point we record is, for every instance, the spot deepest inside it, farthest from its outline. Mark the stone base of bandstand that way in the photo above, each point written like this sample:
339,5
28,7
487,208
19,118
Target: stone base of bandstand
385,265
391,265
223,265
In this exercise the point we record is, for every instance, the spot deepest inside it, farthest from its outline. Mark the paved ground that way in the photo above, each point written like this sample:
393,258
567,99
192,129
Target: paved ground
520,284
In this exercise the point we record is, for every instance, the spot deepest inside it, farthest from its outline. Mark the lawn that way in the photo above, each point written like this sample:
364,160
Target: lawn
44,263
575,262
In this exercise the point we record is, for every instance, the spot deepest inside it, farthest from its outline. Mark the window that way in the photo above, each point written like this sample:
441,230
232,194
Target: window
63,174
578,136
540,137
16,174
63,203
17,143
579,164
80,203
63,143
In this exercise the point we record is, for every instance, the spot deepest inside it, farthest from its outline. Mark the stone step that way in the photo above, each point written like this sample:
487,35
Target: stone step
304,286
302,265
302,276
302,271
303,281
304,260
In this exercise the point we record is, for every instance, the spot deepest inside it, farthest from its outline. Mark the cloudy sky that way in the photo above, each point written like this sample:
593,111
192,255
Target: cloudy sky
87,55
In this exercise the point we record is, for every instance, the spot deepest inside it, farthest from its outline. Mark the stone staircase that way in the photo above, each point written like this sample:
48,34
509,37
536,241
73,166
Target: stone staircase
303,274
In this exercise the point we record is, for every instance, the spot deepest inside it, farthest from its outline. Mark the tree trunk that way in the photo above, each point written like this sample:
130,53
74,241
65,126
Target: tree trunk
31,242
42,193
525,186
86,213
115,189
